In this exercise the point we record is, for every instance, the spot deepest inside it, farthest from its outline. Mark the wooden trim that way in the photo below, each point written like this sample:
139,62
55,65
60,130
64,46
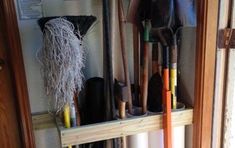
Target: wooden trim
119,128
207,17
18,72
43,121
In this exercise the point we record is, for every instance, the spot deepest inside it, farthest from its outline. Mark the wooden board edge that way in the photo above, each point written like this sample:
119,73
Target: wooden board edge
207,18
115,129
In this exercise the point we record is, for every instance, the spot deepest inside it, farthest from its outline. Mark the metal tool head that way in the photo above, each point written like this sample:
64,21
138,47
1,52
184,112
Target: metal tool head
185,13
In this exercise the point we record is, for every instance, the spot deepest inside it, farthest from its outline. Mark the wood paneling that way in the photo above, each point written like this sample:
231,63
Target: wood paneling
9,126
12,38
207,17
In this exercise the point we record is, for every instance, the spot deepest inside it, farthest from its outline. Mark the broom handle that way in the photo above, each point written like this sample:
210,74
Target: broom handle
122,23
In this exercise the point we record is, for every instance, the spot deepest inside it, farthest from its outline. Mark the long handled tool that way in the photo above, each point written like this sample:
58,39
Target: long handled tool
122,97
122,23
166,100
108,68
62,60
144,90
133,17
126,88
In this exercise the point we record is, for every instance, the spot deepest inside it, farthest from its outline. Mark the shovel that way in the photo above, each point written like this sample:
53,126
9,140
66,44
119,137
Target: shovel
176,15
171,15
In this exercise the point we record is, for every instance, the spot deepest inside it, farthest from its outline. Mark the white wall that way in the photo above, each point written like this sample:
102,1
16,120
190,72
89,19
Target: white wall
31,39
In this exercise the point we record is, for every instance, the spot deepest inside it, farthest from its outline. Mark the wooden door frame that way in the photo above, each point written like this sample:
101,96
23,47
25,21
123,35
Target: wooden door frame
207,26
207,18
18,72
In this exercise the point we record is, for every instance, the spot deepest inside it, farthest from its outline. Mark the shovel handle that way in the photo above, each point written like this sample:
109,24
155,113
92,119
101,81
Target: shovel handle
144,85
167,127
145,78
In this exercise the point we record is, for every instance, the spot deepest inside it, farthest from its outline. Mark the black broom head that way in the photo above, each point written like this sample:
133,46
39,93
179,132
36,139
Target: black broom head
81,23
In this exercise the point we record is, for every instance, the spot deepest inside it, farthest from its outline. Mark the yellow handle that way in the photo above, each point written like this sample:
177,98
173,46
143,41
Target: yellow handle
67,118
173,87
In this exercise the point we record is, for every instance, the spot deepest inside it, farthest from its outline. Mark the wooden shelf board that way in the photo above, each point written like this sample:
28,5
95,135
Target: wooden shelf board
119,128
43,121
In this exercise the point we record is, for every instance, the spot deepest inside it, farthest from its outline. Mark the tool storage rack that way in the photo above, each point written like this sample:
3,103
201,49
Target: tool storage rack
111,129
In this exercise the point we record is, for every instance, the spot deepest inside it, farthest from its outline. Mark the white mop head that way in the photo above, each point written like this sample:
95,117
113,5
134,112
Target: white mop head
62,59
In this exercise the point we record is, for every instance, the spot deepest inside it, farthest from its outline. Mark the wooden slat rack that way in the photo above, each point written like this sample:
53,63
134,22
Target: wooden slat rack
118,128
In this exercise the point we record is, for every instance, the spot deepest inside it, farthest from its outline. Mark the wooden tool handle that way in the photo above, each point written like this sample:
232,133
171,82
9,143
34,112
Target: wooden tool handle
76,105
123,142
122,22
145,79
145,67
122,109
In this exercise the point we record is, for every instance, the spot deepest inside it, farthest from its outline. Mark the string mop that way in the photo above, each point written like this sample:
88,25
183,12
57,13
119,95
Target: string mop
62,60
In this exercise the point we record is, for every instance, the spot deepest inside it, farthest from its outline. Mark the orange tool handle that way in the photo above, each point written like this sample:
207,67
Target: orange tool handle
166,85
167,121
